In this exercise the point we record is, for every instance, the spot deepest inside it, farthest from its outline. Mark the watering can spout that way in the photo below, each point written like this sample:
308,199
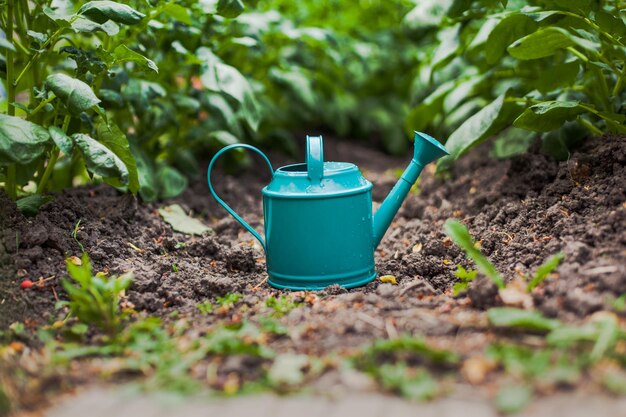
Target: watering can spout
426,150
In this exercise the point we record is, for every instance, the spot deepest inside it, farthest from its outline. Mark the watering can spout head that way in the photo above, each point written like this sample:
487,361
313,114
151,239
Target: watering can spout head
426,150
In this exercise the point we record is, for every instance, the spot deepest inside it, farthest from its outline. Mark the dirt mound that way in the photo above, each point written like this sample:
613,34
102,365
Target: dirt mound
521,210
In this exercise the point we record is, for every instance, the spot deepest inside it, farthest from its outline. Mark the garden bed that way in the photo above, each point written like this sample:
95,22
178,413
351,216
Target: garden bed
520,211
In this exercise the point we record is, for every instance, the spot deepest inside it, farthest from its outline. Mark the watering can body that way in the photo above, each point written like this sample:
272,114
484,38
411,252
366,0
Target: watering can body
319,226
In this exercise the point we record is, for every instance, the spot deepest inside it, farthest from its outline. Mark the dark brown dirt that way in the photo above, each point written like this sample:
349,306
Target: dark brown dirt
521,211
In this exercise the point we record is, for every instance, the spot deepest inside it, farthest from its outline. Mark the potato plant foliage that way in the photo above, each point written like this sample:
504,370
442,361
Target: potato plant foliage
518,69
135,93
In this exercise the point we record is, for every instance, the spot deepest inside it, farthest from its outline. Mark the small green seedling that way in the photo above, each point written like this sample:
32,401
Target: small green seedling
94,299
228,300
544,270
75,232
465,276
392,364
281,305
175,267
205,307
460,235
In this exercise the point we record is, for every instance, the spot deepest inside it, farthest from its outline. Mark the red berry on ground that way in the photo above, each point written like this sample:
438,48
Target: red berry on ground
26,284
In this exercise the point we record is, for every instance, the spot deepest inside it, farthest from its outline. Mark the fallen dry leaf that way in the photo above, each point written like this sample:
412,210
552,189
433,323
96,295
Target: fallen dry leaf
476,368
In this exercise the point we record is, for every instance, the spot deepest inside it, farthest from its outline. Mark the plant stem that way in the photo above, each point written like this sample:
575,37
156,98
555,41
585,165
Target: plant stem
10,184
53,159
578,54
11,169
620,82
51,40
42,104
10,63
589,126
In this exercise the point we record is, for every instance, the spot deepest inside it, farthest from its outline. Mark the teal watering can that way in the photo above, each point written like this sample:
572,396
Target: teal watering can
319,226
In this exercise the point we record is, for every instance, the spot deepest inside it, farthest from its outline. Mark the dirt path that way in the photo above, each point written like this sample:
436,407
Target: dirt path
106,402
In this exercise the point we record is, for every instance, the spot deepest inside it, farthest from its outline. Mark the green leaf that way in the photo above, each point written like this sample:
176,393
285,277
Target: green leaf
448,44
581,6
21,141
525,319
230,8
29,205
562,76
610,24
513,398
548,115
147,178
99,159
5,44
225,78
83,25
124,54
543,43
487,122
178,12
77,96
39,37
512,142
545,269
101,11
419,387
422,115
297,83
509,29
61,139
171,182
181,222
565,336
427,14
459,233
608,334
223,137
113,138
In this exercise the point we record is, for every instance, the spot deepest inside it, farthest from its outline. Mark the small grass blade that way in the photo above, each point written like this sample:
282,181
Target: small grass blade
459,233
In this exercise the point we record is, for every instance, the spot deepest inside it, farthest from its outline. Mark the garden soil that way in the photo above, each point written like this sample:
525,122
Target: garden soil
520,211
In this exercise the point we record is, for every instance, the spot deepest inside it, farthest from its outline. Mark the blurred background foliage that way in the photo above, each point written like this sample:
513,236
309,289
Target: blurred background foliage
161,85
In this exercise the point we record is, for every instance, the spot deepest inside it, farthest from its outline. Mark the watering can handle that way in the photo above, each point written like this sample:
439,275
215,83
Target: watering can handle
222,202
315,158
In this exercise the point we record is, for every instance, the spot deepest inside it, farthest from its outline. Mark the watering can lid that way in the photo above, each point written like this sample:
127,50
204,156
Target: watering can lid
316,178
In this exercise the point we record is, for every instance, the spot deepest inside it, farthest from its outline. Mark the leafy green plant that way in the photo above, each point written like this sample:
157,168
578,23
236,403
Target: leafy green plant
520,68
111,117
243,339
401,365
205,307
94,299
414,384
228,300
281,305
465,277
460,235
